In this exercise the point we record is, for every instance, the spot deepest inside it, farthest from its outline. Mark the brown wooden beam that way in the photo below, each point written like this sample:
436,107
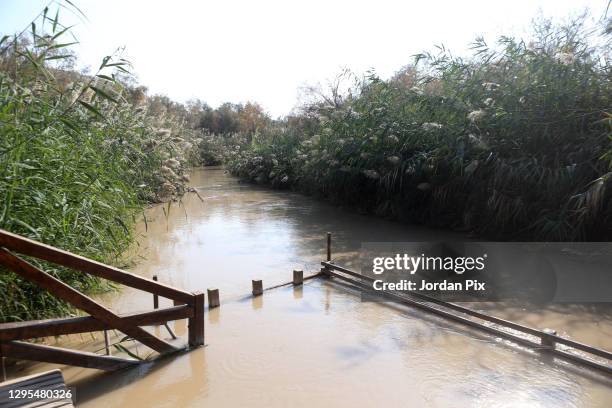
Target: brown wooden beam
502,322
490,329
196,323
39,250
78,300
57,327
56,355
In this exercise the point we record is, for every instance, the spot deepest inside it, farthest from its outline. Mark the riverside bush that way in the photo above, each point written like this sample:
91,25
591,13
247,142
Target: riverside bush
80,156
510,143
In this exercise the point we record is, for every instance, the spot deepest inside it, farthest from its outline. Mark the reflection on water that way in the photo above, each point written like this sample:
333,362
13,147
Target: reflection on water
318,345
241,232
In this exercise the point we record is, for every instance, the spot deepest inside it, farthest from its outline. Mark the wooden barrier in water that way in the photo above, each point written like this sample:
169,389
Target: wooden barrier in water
187,306
541,340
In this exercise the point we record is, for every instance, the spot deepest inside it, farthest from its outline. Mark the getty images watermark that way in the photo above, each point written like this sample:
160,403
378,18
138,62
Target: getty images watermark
491,271
411,264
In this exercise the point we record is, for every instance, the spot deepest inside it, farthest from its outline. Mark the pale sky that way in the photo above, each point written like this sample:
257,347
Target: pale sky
264,51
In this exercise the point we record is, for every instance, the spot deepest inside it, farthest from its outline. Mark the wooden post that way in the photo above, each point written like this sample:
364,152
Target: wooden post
546,341
170,331
156,306
257,287
213,298
196,323
106,343
298,277
155,297
329,247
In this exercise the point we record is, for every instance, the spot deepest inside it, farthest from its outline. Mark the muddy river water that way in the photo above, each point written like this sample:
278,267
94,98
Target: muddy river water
319,345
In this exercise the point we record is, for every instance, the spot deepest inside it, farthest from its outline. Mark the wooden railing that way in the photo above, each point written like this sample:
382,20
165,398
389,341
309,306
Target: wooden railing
545,341
186,306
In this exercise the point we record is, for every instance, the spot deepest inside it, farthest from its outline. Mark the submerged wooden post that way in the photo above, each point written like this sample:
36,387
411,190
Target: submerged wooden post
106,343
196,323
213,298
156,306
329,247
298,277
547,341
155,297
257,287
170,331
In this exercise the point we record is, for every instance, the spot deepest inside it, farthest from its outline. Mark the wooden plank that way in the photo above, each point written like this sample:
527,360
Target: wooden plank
280,285
449,305
57,355
196,323
77,299
490,329
39,250
57,327
581,346
49,380
489,318
436,311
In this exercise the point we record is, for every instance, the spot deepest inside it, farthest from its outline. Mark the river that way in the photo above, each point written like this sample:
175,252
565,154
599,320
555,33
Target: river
319,345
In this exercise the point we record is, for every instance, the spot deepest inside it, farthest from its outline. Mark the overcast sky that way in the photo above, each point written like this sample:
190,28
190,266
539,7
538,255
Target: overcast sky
235,50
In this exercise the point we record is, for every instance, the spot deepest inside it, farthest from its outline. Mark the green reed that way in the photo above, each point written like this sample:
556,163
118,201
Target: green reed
80,157
510,143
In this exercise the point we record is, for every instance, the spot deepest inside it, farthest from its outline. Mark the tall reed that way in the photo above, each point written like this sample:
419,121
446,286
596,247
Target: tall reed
80,157
510,143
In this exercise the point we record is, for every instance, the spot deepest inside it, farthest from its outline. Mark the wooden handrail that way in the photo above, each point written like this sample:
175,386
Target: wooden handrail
77,299
502,322
49,253
329,267
449,305
58,355
187,305
72,325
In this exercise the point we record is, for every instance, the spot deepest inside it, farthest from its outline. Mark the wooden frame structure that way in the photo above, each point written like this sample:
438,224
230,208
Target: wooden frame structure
540,340
186,306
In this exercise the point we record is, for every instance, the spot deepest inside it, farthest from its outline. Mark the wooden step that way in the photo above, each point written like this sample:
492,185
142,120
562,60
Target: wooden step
47,381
